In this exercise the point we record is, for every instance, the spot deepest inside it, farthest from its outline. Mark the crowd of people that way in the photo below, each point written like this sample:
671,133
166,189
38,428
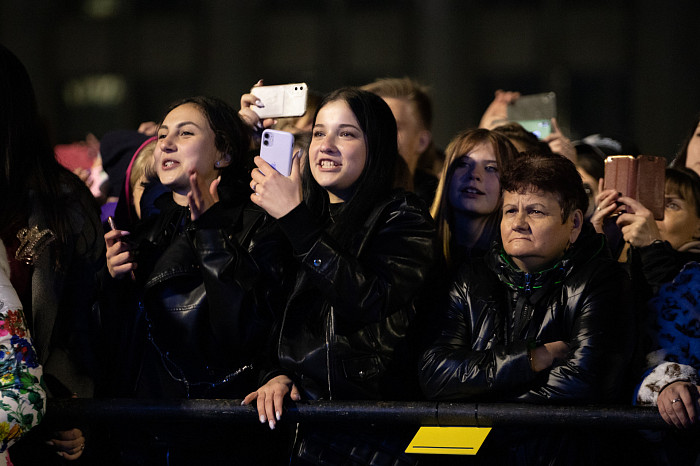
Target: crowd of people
501,269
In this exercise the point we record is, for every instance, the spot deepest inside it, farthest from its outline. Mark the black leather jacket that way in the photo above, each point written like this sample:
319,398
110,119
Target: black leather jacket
62,297
202,300
497,312
347,329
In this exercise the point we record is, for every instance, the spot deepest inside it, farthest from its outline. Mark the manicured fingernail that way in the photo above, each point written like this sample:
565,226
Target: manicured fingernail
278,415
262,419
49,442
259,103
272,425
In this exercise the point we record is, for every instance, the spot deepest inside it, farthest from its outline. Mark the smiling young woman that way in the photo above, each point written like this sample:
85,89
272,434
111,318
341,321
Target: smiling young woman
186,306
186,145
366,255
338,152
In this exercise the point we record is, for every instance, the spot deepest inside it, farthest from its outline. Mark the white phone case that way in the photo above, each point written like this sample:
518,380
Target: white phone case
285,100
276,149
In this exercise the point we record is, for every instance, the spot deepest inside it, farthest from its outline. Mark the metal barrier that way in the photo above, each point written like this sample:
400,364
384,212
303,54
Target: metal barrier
106,411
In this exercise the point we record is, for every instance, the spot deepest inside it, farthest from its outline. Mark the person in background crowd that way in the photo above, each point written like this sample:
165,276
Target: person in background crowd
496,114
140,184
544,317
50,224
591,152
522,139
689,154
116,150
590,163
663,260
412,108
671,381
467,206
659,247
366,254
83,159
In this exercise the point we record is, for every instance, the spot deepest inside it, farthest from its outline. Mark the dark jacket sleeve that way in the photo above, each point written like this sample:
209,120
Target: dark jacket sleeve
63,302
229,275
597,325
465,360
386,273
660,263
601,340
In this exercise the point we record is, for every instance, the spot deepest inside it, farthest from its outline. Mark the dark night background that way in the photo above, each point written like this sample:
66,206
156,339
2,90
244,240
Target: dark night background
626,69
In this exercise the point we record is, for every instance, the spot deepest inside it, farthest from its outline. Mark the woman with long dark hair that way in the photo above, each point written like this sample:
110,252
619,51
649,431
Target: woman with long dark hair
50,224
365,254
190,282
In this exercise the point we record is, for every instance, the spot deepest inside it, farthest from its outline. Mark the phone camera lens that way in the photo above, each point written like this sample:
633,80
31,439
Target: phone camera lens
265,143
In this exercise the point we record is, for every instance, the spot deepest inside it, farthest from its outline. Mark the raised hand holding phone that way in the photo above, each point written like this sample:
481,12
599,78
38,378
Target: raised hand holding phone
249,116
276,149
281,101
274,192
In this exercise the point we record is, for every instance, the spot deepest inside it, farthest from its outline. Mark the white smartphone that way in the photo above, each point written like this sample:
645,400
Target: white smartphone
276,148
284,100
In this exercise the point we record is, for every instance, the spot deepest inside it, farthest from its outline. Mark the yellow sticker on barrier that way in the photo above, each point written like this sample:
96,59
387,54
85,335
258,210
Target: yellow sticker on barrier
448,440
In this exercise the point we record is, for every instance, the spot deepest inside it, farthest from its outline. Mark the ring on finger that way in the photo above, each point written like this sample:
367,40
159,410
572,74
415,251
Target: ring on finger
676,400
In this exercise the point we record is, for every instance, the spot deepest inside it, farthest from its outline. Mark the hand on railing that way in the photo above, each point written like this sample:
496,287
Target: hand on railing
271,398
678,404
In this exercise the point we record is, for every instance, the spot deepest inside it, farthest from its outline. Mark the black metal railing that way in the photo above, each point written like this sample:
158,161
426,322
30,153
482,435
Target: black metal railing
422,413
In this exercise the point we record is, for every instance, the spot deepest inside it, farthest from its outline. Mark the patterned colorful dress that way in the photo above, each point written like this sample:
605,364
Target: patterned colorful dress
22,394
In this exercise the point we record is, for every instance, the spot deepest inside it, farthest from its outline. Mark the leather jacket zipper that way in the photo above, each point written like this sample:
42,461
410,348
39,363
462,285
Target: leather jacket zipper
329,333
